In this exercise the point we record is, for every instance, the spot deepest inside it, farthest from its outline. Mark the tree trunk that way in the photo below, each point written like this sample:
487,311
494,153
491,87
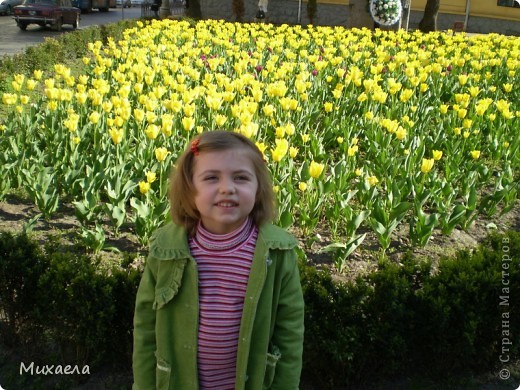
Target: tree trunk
429,20
193,9
238,10
311,10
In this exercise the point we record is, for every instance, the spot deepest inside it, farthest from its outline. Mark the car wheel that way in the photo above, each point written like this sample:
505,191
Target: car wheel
57,24
76,22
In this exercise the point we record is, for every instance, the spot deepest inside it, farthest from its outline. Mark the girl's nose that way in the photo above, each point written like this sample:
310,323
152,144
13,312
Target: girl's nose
227,186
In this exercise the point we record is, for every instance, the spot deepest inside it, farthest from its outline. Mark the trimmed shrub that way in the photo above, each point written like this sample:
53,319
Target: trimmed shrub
449,323
459,327
21,265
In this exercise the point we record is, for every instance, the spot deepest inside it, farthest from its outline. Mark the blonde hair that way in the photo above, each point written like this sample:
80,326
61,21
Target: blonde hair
182,191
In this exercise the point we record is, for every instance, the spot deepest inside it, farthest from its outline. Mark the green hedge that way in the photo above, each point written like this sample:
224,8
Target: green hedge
405,320
409,319
61,307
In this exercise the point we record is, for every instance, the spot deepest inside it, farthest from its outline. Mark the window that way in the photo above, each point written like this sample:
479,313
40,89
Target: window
509,3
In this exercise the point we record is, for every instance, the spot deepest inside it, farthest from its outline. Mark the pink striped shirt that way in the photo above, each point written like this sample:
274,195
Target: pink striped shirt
223,262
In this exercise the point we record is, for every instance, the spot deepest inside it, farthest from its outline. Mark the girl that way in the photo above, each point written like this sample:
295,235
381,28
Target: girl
220,304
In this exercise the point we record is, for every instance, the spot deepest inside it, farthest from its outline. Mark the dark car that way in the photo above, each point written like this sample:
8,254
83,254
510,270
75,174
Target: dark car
54,13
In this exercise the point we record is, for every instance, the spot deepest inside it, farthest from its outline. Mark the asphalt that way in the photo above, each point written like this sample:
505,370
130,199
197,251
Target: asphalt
13,40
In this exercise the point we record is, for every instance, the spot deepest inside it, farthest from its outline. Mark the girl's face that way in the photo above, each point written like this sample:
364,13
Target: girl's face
226,184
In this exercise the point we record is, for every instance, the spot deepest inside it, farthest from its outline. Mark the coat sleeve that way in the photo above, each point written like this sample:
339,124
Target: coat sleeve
289,329
143,358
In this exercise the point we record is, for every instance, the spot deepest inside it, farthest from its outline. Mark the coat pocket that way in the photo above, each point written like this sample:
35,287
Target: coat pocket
162,374
270,366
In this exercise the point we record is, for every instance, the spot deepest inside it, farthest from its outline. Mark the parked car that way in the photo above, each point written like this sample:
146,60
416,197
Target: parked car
124,3
86,6
6,6
54,13
129,3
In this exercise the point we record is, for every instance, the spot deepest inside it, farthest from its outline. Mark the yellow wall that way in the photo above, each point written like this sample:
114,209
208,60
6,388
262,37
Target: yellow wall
483,8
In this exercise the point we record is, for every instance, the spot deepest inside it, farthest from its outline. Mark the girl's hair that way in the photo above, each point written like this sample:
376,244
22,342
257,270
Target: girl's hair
182,190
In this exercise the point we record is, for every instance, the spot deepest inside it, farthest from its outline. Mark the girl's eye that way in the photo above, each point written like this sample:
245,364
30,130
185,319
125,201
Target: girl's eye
209,178
242,178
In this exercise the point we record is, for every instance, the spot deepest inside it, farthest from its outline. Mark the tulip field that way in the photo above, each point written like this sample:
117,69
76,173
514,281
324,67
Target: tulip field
362,130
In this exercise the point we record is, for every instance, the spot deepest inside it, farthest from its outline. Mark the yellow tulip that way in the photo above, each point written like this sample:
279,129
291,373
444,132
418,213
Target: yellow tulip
220,120
144,187
475,154
427,165
150,176
401,133
302,186
188,123
328,107
437,154
268,110
261,146
372,180
161,154
38,74
278,153
94,117
463,79
9,99
316,169
116,135
152,131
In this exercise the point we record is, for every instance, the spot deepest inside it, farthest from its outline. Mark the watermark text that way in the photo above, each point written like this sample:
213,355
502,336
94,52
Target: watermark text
58,369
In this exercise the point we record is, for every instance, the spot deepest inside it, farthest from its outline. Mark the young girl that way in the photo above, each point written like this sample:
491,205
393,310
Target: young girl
220,304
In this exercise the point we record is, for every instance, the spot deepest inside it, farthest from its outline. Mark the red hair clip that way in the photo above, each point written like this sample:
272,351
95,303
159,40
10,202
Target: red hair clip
195,147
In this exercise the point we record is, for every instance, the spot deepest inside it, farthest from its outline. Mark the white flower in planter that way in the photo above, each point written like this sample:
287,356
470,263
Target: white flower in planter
386,12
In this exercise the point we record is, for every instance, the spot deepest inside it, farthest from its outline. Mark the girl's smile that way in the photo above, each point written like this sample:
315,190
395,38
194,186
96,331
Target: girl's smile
226,186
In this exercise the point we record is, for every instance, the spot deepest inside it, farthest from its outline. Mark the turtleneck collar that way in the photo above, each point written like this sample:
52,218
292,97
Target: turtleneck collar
224,242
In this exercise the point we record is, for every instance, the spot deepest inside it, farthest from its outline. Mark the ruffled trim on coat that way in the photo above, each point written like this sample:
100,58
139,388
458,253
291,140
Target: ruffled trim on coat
166,294
277,238
168,243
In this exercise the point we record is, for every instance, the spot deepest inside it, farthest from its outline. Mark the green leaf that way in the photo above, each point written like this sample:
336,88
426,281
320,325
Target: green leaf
400,211
286,219
142,209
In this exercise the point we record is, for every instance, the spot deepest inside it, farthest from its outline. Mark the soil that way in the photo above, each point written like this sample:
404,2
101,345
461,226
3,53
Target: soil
16,212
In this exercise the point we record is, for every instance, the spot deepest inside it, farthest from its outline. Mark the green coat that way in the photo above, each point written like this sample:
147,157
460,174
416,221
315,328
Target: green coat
166,316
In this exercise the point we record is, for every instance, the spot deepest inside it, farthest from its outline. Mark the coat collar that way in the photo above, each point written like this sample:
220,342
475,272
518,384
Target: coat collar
171,241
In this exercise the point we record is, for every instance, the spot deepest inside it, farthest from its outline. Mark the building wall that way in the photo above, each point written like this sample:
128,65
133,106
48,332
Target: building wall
479,8
485,15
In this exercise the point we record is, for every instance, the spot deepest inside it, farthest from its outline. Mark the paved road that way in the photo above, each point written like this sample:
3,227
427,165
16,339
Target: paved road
13,40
